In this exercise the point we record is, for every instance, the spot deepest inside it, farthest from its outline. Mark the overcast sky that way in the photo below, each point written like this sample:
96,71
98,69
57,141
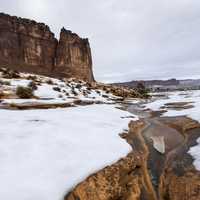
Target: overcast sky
130,39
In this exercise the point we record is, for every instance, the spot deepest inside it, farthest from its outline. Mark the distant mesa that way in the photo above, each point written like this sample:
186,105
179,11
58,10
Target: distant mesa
28,46
164,85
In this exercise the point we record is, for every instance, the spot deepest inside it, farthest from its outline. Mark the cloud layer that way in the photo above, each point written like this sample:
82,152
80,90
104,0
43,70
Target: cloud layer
130,39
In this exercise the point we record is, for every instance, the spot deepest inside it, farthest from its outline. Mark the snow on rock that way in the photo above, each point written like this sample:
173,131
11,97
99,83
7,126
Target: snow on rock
169,97
51,88
186,96
44,153
46,91
18,82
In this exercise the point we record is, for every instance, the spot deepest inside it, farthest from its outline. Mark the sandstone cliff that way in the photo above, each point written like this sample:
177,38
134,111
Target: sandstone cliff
28,46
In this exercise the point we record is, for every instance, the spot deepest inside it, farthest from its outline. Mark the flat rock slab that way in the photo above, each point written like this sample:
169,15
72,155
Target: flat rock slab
178,105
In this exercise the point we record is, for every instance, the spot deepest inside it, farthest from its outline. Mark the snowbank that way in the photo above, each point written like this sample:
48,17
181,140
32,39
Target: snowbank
43,153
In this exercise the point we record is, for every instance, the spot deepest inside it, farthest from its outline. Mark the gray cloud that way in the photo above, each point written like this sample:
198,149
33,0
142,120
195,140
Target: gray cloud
130,39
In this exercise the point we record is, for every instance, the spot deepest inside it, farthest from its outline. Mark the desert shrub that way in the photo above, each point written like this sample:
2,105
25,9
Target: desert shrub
4,82
89,88
104,88
74,92
61,79
50,82
1,69
4,71
89,84
32,77
57,89
84,93
68,85
24,92
10,74
32,85
15,74
98,92
78,86
72,87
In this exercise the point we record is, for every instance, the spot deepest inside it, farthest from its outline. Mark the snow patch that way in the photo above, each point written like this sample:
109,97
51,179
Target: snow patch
44,153
195,153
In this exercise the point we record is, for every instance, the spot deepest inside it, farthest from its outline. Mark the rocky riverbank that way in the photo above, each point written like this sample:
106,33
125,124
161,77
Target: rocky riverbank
158,168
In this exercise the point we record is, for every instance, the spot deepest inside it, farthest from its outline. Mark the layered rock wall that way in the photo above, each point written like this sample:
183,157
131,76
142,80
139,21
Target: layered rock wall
28,46
73,56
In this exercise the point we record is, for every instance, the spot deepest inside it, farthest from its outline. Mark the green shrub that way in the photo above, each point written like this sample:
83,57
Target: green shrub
24,92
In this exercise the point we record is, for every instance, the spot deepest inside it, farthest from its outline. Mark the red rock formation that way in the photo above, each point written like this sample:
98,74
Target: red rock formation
28,46
73,56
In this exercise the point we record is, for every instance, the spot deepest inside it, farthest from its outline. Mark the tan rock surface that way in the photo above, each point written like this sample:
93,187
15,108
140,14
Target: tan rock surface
147,174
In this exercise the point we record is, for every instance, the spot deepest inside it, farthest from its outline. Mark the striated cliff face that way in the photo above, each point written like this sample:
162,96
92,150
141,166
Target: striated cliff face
73,56
28,46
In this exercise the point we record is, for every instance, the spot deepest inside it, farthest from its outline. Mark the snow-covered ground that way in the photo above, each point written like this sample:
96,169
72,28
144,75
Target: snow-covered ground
193,97
43,153
186,96
51,90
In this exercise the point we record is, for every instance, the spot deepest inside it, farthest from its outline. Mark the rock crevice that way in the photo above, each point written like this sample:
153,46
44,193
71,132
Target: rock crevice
147,174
